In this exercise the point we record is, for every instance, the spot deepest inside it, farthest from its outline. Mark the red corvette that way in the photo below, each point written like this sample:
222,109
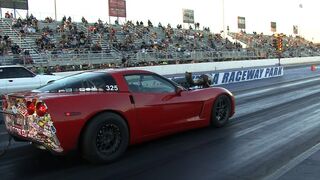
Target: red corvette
102,112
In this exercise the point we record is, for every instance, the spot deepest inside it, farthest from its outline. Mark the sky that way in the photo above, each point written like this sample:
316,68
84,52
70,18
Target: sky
209,13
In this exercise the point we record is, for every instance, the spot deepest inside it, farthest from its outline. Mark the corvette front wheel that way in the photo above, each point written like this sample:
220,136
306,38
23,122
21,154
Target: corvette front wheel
221,111
105,139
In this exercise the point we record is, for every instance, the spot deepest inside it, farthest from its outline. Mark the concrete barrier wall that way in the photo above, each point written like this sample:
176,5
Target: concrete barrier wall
213,66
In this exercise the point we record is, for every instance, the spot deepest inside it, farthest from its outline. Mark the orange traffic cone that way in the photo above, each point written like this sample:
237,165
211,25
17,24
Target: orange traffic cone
313,67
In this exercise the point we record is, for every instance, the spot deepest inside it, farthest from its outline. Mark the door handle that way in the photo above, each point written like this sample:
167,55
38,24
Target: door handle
10,80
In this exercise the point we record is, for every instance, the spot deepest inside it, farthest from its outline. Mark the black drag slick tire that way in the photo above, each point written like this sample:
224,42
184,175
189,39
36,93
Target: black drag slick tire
220,111
105,138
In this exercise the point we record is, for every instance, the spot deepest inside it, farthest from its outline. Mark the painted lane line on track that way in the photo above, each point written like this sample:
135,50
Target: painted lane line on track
269,142
245,109
273,121
293,163
277,87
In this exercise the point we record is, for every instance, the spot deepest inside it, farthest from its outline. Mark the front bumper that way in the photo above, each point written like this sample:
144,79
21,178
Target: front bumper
38,130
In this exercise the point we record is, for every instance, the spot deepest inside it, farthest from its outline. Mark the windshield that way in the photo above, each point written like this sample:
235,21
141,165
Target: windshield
84,82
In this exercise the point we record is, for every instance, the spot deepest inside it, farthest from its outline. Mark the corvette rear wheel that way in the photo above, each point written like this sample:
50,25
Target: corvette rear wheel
105,139
220,111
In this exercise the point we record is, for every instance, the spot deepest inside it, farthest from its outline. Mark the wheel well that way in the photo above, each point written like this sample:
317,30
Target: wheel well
97,114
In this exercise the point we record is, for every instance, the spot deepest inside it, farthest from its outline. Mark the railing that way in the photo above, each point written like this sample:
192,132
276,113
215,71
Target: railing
107,58
195,55
79,58
6,60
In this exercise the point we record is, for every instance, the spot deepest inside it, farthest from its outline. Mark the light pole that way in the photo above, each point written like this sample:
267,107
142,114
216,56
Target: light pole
223,21
300,20
55,10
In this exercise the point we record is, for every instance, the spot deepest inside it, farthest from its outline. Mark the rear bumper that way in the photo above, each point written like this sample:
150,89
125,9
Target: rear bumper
33,130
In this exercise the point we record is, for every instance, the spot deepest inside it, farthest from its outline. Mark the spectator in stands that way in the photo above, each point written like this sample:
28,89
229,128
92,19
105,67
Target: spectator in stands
84,21
17,23
206,29
57,68
7,15
22,32
48,20
1,48
96,48
27,57
40,70
15,49
31,30
149,23
196,26
124,61
64,19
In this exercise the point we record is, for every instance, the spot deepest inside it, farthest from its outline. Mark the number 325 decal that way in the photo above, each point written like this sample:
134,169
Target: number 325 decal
111,88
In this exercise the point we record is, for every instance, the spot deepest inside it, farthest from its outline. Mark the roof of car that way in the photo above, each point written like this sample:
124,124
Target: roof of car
11,66
123,71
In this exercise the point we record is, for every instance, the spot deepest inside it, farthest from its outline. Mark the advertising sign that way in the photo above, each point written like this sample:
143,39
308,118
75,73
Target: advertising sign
241,22
188,16
14,4
273,26
218,78
295,29
117,8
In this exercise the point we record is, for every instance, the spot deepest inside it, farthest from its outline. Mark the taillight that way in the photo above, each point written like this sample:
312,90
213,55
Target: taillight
41,109
4,103
31,107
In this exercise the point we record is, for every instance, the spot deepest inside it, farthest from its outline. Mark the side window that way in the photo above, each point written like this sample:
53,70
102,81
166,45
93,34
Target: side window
133,82
149,84
85,82
105,82
16,72
2,73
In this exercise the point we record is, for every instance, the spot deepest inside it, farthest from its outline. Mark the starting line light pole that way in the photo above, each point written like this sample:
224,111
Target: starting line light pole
277,43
